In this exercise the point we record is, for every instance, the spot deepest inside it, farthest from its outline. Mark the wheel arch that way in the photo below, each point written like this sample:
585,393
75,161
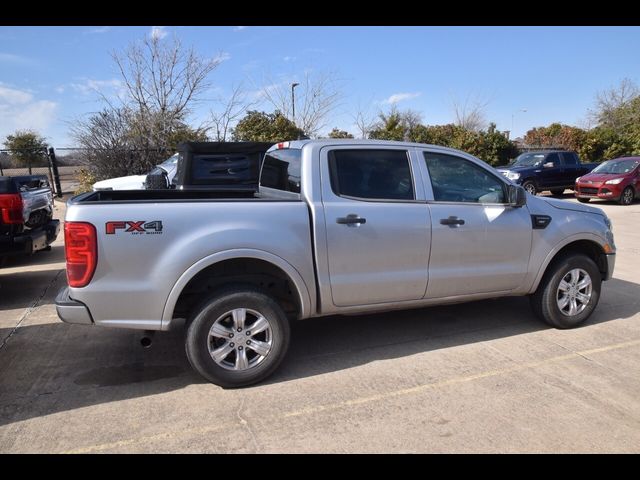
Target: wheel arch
586,243
251,258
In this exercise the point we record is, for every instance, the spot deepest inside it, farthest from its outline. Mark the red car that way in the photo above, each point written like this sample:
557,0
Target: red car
617,179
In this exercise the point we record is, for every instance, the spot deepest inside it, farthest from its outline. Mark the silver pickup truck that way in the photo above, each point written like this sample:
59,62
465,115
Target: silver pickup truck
337,227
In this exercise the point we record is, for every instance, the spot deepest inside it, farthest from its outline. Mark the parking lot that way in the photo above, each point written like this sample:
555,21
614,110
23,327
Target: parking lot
479,377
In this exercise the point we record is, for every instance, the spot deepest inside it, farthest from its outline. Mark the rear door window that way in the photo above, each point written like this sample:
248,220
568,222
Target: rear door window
369,174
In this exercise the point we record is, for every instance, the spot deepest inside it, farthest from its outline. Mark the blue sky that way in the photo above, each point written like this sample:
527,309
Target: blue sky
48,74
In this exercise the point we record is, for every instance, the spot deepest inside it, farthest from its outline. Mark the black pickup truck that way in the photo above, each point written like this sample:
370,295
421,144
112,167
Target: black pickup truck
553,170
26,215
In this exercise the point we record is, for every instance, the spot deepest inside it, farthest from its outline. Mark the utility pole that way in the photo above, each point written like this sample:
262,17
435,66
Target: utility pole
293,101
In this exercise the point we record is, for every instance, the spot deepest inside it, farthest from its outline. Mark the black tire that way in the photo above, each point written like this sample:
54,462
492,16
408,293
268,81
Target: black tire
544,300
583,200
197,339
557,192
530,187
627,196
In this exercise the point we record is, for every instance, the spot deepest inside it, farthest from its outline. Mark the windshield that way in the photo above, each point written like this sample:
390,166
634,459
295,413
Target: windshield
528,159
169,163
617,166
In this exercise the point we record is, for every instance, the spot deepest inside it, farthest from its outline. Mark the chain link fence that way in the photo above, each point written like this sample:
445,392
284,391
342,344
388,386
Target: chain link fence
73,169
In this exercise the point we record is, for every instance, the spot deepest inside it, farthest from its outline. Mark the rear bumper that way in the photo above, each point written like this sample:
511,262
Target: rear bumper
31,241
611,263
72,311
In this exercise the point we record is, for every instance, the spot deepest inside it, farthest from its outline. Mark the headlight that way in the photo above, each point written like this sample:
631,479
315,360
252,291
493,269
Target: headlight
578,179
513,176
615,181
607,222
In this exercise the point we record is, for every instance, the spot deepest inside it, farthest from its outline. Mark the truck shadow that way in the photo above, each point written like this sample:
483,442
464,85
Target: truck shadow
55,367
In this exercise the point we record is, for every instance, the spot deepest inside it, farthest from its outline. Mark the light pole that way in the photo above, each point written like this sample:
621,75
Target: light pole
513,116
293,101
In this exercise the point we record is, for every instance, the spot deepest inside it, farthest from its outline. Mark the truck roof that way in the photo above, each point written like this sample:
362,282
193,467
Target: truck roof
354,141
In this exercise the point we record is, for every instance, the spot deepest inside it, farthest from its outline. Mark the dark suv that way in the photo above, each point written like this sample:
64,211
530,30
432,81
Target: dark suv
553,170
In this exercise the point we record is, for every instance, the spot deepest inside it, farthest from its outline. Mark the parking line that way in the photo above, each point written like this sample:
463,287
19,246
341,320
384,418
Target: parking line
361,400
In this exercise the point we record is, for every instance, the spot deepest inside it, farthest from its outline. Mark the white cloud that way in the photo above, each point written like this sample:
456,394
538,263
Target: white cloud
222,57
15,59
12,96
59,89
90,86
399,97
289,59
98,30
20,110
158,33
239,29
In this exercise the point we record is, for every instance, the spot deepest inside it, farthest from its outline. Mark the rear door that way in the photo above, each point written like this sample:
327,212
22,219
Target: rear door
570,168
377,225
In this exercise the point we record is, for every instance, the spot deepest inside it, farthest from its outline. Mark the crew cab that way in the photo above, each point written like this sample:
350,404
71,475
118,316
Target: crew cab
26,215
337,227
553,170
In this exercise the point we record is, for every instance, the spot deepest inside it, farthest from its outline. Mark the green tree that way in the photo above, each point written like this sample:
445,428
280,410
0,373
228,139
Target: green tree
556,135
391,127
28,147
265,127
337,133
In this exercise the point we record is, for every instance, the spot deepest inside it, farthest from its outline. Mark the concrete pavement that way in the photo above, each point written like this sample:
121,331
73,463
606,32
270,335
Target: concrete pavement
480,377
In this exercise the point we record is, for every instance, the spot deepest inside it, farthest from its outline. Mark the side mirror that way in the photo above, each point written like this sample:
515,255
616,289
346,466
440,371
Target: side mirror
549,165
517,196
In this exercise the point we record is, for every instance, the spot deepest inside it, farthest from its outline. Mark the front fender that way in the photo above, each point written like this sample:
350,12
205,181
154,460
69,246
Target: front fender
589,236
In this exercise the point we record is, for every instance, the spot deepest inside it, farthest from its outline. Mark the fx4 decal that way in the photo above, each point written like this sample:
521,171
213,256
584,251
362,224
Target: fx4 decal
135,228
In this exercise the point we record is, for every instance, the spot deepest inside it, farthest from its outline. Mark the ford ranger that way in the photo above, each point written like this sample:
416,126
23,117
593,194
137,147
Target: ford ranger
337,227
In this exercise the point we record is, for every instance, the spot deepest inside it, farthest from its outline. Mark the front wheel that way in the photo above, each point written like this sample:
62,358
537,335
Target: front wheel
237,337
568,292
627,196
583,200
530,187
557,192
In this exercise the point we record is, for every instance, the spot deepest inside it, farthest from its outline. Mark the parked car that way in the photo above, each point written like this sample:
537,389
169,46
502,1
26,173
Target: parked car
554,170
26,215
617,179
337,227
137,182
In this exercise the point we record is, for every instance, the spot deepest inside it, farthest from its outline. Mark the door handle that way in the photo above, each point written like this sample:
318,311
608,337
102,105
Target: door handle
351,219
451,221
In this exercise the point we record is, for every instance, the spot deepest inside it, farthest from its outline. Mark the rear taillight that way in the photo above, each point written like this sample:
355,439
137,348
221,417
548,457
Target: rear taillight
11,208
81,249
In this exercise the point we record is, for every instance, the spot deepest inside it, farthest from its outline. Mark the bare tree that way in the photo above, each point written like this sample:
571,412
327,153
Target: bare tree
470,114
364,119
608,103
317,96
162,81
231,110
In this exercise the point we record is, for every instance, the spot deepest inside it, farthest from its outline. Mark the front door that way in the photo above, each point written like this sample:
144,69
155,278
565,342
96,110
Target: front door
479,244
551,176
378,234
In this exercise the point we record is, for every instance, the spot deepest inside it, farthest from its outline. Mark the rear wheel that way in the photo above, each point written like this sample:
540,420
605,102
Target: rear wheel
237,337
627,196
583,200
530,187
568,292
